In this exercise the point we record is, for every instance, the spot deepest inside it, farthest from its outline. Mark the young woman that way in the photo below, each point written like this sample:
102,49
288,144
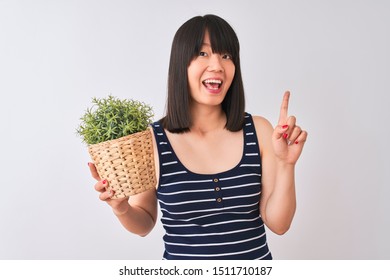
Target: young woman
222,174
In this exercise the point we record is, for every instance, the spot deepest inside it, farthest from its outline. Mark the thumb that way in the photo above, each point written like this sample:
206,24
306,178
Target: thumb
280,132
93,170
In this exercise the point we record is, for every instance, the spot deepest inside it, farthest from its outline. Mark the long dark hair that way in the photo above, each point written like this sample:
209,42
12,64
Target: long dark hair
186,46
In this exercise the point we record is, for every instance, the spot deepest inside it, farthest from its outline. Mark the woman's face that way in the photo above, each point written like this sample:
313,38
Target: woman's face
210,75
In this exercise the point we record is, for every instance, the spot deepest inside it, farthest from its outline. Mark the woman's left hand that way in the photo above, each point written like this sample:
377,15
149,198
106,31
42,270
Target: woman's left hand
288,138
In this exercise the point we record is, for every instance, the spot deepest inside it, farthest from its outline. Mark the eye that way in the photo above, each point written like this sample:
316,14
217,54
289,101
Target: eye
226,56
202,54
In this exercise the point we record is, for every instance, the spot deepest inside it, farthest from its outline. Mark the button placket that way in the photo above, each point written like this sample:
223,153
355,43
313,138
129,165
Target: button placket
218,192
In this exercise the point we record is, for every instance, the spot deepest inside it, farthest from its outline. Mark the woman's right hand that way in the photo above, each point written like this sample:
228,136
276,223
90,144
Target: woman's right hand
121,205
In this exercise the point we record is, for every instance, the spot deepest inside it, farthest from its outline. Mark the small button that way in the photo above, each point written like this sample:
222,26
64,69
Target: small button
219,199
216,180
217,189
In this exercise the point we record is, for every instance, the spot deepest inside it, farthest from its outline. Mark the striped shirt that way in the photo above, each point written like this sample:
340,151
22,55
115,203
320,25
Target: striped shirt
213,216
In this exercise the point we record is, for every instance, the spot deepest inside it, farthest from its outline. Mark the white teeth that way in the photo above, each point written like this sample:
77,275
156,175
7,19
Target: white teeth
211,81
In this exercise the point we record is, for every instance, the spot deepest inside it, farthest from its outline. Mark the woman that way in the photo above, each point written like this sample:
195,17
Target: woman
223,174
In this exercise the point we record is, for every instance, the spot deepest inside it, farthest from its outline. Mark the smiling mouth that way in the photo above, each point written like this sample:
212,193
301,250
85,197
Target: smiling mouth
212,84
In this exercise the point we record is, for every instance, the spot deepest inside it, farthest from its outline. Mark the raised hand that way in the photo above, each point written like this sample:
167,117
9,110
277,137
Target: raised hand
288,138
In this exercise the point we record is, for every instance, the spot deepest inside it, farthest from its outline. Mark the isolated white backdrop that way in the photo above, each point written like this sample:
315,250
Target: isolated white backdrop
56,55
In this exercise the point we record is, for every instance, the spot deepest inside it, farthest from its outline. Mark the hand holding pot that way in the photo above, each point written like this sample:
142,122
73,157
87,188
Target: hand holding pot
119,206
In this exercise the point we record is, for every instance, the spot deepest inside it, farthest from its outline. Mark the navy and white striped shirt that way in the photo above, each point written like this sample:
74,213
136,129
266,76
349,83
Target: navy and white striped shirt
212,216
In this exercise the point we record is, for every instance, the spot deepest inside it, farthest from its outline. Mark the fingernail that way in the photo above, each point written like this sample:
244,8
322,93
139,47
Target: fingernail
296,142
285,135
104,182
285,126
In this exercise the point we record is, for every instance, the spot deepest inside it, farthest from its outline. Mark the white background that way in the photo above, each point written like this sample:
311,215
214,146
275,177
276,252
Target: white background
56,55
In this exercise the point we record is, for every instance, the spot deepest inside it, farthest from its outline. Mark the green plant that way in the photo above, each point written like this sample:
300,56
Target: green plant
111,118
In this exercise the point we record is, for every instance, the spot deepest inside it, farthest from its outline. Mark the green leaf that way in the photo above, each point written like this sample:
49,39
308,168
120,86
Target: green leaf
111,118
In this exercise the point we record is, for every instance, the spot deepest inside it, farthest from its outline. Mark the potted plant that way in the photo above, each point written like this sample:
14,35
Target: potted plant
120,143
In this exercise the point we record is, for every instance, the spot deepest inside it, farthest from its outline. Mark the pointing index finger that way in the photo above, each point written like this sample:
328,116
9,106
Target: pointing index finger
284,109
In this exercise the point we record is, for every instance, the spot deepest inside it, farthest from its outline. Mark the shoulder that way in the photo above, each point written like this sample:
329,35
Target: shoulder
261,123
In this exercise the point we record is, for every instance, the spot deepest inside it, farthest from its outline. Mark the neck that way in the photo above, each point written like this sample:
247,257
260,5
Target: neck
206,120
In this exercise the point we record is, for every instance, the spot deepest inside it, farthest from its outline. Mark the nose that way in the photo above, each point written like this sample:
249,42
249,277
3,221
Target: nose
215,63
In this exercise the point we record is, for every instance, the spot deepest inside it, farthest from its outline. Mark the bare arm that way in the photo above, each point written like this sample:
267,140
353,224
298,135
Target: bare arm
280,150
138,214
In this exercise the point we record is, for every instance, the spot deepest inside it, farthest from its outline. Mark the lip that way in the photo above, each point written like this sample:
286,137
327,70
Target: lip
213,91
